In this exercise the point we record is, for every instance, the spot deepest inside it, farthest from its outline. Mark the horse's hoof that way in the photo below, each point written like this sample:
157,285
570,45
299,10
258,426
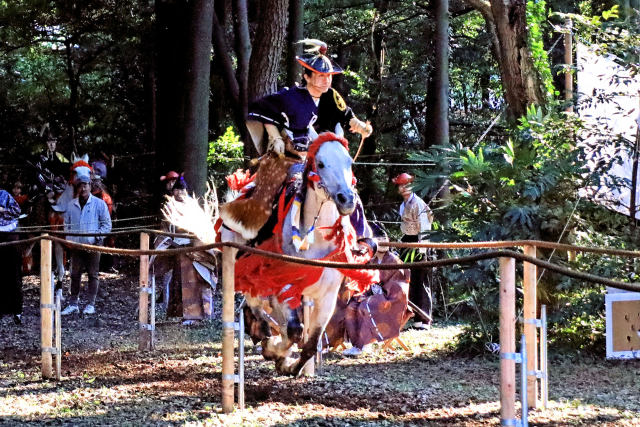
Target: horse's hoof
287,366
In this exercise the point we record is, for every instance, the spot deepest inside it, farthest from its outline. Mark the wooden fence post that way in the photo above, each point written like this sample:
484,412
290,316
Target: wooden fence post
507,340
228,318
145,341
309,367
530,328
46,308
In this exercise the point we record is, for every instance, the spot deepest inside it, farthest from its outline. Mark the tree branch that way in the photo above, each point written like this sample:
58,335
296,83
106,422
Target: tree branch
482,6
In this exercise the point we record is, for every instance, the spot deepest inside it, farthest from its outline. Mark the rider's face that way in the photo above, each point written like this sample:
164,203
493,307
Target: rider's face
317,83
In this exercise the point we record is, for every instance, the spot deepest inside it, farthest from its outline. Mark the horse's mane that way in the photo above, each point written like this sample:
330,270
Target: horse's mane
321,139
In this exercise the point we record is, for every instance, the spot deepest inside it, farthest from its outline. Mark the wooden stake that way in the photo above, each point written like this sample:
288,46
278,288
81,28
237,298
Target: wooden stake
58,323
530,329
507,340
228,306
46,308
309,367
146,335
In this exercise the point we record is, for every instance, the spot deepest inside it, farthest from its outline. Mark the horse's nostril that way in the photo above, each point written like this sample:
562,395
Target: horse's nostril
341,198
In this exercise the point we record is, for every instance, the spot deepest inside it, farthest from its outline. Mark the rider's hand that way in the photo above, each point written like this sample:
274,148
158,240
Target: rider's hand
358,126
276,145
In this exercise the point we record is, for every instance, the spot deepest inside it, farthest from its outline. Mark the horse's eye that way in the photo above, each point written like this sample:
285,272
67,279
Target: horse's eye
320,165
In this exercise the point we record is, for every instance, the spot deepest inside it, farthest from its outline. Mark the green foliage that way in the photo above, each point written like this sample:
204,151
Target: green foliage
522,188
225,153
536,18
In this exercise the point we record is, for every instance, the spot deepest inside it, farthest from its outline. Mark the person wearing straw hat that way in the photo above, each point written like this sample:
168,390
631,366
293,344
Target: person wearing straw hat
416,218
85,214
290,120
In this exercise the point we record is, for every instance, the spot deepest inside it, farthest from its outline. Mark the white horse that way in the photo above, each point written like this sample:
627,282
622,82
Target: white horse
330,199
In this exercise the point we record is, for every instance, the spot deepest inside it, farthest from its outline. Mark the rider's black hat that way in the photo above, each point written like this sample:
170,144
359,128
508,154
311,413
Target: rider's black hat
315,58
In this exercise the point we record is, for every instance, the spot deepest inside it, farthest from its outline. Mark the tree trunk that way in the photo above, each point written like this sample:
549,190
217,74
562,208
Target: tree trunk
438,116
73,81
243,52
196,110
172,37
366,173
520,80
268,45
296,27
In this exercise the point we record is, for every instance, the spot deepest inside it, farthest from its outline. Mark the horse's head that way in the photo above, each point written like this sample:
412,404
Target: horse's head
329,165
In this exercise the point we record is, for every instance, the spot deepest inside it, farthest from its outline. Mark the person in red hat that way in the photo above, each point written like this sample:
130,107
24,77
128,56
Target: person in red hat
416,218
292,119
169,181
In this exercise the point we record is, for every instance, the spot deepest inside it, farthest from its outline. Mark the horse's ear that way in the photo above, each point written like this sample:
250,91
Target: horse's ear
85,157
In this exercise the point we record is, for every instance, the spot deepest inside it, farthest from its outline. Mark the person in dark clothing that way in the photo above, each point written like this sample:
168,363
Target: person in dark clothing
10,259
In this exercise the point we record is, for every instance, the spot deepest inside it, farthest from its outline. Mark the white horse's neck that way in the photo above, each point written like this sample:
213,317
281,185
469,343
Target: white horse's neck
318,204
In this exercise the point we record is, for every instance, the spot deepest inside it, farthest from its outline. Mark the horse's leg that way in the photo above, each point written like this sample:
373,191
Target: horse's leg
27,258
59,254
324,295
278,347
257,321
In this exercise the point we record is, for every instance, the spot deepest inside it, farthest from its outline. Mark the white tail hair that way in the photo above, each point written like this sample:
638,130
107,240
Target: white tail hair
190,216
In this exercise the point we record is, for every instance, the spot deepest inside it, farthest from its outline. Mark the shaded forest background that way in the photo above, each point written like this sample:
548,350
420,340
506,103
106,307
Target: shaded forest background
469,95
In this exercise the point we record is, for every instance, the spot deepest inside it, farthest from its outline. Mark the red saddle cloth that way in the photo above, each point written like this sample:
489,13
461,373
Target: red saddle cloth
261,276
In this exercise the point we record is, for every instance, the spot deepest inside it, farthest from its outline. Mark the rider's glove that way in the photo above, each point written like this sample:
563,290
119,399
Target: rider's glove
276,145
358,126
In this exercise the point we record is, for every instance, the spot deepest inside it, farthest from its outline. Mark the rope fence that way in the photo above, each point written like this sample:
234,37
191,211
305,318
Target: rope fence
496,249
633,287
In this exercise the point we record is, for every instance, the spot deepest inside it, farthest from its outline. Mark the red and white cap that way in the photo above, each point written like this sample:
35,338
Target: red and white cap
170,175
403,179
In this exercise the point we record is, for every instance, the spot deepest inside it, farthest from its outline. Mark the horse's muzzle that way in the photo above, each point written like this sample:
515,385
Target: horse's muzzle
345,202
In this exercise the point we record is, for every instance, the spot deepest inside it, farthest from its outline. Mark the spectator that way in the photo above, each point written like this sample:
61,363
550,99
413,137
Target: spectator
378,314
416,219
10,263
99,190
169,181
180,189
17,194
85,214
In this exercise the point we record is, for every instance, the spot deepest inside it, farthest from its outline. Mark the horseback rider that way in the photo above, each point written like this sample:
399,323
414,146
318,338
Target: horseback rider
292,119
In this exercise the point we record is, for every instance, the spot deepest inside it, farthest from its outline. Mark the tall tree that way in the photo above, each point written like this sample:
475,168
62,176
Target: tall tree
520,80
296,27
438,112
258,58
196,109
267,47
172,20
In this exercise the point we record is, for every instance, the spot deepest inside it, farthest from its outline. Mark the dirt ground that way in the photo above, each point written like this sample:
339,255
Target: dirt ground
106,381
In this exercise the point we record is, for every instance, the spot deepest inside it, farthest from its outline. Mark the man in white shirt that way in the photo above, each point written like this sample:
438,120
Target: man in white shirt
85,214
416,219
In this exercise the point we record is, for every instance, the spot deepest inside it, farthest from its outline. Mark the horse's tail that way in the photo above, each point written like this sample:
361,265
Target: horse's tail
190,216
